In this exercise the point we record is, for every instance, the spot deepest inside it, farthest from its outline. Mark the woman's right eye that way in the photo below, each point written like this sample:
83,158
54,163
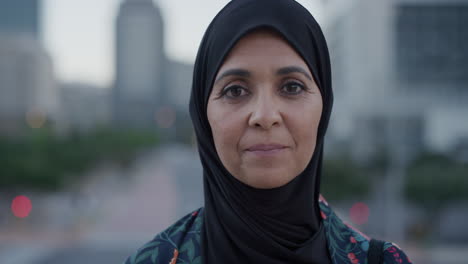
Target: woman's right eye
235,91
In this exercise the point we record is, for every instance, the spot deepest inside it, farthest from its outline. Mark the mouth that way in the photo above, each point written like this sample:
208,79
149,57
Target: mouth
265,147
266,151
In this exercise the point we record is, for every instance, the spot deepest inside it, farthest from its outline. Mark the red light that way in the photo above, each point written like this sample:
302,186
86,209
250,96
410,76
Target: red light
21,206
359,213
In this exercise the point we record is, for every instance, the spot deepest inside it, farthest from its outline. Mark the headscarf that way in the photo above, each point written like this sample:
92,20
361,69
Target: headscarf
243,224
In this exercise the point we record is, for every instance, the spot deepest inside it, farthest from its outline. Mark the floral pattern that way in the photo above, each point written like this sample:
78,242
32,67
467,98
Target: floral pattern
180,243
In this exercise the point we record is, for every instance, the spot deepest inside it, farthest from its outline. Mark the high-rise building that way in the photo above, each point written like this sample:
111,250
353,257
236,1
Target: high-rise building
28,93
140,63
20,16
399,57
431,45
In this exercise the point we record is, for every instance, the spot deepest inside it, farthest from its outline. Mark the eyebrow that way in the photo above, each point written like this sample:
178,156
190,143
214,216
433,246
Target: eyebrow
281,71
291,69
233,72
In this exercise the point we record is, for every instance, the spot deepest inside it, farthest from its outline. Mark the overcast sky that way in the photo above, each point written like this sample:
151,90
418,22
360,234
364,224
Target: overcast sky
78,34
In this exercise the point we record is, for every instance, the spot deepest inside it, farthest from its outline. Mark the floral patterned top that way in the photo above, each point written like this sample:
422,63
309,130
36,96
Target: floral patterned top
180,243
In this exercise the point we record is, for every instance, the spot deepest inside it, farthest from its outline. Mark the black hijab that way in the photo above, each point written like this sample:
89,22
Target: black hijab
243,224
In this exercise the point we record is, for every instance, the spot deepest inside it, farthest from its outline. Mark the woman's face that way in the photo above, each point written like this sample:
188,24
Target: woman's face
264,93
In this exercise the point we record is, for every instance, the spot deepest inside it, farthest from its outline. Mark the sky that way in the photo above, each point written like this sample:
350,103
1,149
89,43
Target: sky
78,34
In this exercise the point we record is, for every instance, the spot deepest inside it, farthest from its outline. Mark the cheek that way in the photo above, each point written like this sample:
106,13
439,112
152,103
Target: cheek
227,131
305,129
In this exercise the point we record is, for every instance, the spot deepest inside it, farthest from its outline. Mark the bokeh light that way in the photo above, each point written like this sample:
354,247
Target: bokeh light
21,206
359,213
35,118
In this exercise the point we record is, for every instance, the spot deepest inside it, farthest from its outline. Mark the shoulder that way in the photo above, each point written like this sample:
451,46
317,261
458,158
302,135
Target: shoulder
348,244
181,240
394,254
357,248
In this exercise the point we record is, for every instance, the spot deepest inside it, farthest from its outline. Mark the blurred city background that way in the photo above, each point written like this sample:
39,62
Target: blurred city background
97,150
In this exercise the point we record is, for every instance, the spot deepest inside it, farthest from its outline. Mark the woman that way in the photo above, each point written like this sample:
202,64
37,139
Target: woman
260,105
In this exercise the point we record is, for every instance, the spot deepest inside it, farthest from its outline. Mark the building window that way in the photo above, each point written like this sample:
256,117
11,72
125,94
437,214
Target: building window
431,43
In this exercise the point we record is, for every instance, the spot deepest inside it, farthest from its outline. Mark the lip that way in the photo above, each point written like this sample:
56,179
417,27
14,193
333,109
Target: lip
266,151
265,147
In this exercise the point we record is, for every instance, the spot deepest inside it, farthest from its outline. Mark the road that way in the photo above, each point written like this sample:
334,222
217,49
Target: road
109,215
115,210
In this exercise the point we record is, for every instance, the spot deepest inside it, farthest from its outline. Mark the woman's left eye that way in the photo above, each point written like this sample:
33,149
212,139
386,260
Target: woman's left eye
293,88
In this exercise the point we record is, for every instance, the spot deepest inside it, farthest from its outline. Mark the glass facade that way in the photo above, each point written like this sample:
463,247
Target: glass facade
431,43
19,16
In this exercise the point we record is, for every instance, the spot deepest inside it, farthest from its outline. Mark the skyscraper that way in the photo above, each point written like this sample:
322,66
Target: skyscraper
407,56
19,16
140,63
28,93
27,84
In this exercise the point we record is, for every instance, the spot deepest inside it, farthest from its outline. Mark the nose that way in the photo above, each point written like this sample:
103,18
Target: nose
265,112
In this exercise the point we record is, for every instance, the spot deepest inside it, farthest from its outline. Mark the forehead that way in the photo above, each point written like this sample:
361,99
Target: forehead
262,45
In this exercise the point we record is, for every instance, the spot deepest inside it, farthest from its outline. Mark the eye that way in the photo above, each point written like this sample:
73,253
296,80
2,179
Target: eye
233,92
293,88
